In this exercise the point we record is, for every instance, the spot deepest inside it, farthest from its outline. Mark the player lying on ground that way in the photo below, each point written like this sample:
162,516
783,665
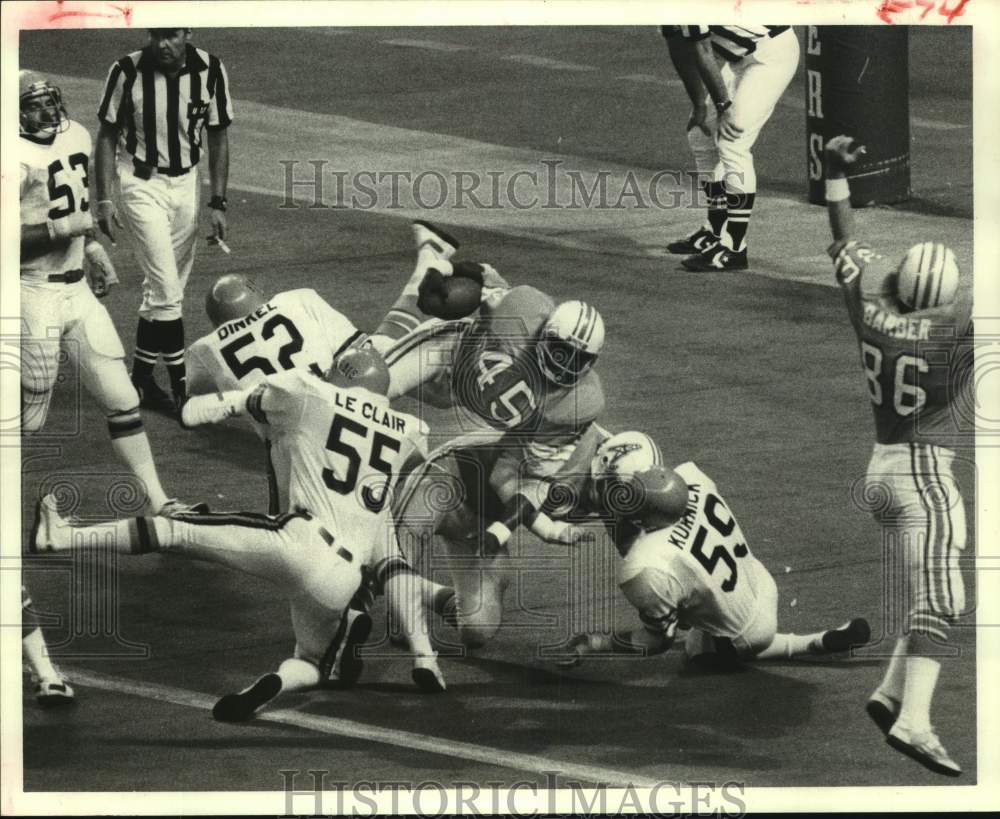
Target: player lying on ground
60,313
335,445
911,320
685,562
519,370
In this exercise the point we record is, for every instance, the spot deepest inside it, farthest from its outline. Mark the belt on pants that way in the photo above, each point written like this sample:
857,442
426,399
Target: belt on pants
325,534
66,277
144,171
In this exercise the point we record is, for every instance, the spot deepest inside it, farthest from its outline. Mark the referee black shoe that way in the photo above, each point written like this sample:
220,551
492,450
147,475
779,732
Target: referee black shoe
716,257
154,398
241,707
695,243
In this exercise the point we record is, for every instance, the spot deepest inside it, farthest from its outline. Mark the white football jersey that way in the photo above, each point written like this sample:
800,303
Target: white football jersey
701,571
294,329
337,453
54,179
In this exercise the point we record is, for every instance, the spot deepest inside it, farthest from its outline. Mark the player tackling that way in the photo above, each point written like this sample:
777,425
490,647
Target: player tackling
909,319
336,446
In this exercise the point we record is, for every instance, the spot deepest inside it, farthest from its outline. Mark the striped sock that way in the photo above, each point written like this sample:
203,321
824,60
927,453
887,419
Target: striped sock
172,336
716,194
147,348
738,209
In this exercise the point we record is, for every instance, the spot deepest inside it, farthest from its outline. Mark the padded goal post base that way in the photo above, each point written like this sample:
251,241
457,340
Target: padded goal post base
857,83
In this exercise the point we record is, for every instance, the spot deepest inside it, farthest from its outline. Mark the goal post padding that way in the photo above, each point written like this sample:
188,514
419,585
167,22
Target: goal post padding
857,83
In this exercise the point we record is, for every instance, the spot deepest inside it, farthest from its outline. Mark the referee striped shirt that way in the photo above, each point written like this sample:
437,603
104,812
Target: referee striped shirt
732,43
160,118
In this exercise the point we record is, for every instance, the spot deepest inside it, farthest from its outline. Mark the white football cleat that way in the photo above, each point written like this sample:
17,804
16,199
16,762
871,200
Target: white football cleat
54,692
427,235
923,747
427,675
47,527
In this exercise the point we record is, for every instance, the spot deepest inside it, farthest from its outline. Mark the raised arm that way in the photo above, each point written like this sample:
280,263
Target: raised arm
841,153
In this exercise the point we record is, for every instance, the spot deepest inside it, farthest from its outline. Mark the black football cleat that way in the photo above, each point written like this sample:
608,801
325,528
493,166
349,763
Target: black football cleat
695,243
716,257
154,398
241,707
848,636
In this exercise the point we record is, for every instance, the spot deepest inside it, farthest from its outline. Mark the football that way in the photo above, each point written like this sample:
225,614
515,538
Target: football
448,297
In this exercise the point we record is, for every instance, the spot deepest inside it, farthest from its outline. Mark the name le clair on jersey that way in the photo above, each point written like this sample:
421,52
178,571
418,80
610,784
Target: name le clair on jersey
681,530
895,325
371,412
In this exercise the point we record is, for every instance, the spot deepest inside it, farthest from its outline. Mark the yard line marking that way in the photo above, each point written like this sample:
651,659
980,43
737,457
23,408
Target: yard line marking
337,726
796,102
432,45
546,62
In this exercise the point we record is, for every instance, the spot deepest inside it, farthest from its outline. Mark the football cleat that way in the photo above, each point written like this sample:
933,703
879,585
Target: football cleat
360,367
427,235
347,665
716,257
41,107
855,633
923,747
695,243
53,693
427,675
570,341
44,527
928,276
232,297
883,710
241,707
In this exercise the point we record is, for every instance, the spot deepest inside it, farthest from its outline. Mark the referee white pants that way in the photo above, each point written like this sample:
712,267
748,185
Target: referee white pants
298,554
162,213
912,493
755,85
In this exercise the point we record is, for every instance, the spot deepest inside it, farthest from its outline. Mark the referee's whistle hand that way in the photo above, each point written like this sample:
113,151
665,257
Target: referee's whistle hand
107,216
218,224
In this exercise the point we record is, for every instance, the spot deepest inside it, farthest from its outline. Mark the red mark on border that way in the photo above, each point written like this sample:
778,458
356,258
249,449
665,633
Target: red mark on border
947,8
44,17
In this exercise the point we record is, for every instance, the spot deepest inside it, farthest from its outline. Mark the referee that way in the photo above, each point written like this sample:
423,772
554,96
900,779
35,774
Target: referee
156,106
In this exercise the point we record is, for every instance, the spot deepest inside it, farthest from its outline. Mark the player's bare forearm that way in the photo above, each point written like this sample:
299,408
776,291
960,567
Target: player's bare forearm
218,160
104,161
683,56
708,70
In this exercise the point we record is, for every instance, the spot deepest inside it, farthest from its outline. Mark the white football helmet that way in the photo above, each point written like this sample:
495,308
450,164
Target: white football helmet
928,276
625,454
41,107
570,342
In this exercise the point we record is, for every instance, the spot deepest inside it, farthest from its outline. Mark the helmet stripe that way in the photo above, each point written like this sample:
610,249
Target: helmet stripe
916,278
944,264
925,276
579,320
591,323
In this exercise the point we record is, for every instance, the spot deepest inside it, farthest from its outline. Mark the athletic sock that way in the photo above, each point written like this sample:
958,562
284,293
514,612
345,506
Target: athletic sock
738,209
172,339
297,675
129,441
147,348
792,645
895,673
36,653
918,691
716,193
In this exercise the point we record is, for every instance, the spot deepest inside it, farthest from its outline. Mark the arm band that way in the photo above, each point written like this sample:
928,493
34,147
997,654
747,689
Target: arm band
837,190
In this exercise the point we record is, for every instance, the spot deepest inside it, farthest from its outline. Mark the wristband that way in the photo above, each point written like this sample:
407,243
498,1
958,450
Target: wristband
499,531
218,203
837,190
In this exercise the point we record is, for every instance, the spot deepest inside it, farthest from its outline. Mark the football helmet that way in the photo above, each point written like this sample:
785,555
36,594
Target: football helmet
569,342
41,107
232,297
928,276
360,367
625,454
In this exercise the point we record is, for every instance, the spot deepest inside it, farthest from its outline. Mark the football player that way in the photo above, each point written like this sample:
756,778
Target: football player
337,446
59,310
685,562
910,318
521,371
50,687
